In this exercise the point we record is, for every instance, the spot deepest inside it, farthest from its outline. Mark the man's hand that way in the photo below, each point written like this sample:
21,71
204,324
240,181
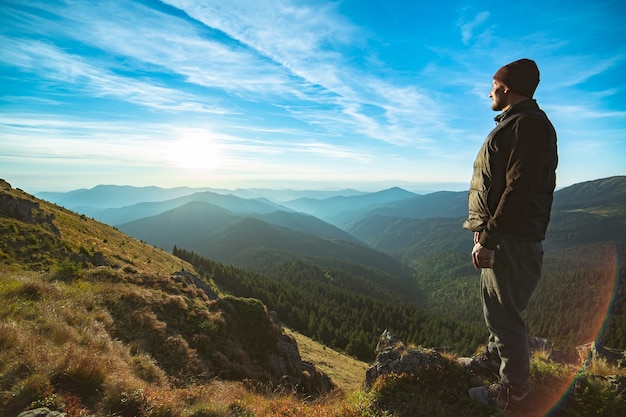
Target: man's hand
481,256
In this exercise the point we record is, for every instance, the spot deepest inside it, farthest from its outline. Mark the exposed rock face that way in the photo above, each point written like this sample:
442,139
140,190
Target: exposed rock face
23,209
392,356
296,373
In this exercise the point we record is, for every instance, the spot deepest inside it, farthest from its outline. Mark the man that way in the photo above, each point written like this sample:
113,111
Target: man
510,199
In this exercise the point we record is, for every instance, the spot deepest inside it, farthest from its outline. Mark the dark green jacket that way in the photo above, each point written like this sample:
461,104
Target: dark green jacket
514,177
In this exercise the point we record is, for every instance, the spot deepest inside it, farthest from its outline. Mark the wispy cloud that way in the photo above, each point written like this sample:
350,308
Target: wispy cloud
284,54
589,66
308,42
469,29
55,65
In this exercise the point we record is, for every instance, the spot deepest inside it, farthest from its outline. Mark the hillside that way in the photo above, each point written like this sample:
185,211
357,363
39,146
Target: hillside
608,194
112,315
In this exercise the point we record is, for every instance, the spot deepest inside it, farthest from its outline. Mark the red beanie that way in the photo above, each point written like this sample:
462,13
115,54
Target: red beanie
521,76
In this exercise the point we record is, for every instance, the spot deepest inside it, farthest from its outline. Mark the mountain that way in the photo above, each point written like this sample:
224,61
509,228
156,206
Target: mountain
409,238
108,196
335,209
110,204
115,216
437,204
585,213
598,195
252,240
199,219
281,196
94,200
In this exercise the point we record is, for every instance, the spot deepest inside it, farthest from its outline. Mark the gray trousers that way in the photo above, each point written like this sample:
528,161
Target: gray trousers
506,290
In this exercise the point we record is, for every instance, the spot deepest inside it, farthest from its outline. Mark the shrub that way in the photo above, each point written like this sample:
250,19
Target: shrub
253,326
68,271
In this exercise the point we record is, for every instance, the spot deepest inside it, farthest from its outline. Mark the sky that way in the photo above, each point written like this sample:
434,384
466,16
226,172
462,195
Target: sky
364,94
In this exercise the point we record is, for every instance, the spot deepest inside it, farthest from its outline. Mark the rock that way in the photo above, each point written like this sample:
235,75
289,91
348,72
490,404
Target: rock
539,344
393,356
286,359
98,259
286,366
594,351
315,382
296,374
42,412
618,382
191,279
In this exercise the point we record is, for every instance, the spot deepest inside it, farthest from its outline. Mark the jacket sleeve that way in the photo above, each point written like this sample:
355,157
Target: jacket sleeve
528,142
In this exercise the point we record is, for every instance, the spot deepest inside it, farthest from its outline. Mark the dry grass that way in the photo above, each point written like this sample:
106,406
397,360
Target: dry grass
59,346
56,350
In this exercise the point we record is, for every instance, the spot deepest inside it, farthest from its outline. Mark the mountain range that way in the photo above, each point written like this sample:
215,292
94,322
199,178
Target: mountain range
393,242
93,316
393,221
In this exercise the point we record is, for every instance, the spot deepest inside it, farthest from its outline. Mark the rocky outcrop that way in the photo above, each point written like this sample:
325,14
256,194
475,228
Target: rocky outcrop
595,351
393,356
23,209
302,376
287,369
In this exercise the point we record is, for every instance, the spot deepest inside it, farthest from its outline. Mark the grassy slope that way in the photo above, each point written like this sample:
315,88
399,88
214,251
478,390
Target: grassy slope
347,372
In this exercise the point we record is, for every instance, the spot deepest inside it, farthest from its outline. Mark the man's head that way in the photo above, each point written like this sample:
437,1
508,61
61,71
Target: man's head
513,83
521,76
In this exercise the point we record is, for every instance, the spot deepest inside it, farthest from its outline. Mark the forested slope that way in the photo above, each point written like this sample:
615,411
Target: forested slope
308,299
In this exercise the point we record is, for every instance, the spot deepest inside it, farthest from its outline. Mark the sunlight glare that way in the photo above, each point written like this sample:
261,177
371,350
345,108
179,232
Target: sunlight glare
195,151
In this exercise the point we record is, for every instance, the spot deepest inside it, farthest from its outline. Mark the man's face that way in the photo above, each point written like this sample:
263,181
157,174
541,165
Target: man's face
497,95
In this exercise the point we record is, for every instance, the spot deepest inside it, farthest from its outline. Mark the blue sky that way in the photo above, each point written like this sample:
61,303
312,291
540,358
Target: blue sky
364,94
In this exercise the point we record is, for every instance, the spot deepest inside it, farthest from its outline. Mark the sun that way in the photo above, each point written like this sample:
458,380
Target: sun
195,151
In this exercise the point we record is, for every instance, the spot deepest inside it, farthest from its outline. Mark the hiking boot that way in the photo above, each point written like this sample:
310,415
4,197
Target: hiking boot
500,395
484,361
